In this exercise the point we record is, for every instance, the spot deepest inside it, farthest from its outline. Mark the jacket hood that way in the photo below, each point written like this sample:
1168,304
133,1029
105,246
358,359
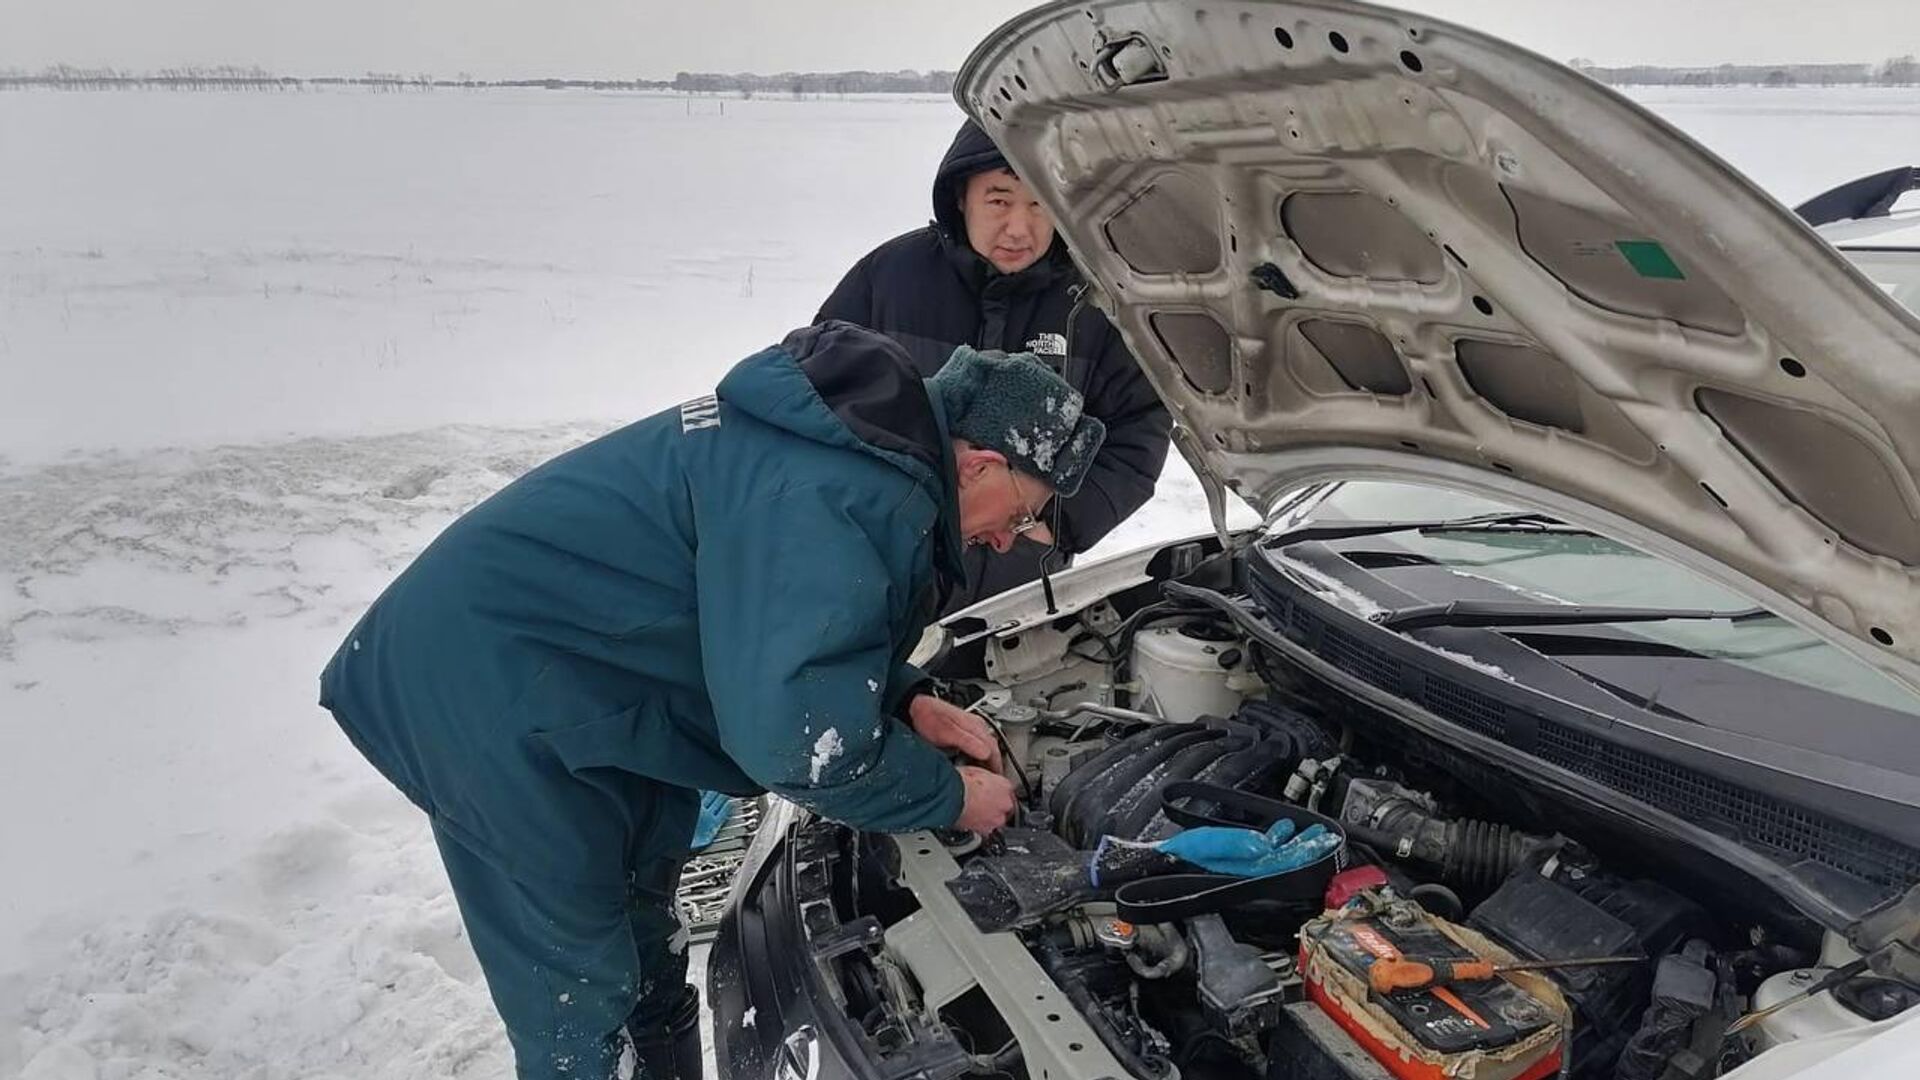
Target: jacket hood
972,151
847,386
1364,243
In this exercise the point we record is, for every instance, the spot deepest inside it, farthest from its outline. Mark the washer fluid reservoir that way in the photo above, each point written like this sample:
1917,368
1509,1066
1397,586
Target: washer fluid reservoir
1190,669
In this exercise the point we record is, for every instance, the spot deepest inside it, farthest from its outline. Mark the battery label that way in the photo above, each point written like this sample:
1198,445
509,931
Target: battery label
1366,938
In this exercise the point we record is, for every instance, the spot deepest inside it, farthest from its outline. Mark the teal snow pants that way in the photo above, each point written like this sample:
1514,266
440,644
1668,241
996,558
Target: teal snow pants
570,969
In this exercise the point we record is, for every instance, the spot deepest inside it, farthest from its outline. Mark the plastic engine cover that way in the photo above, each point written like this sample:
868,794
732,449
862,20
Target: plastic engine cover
1118,792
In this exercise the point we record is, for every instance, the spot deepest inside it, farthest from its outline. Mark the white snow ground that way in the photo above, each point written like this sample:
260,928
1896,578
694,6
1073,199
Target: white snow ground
255,350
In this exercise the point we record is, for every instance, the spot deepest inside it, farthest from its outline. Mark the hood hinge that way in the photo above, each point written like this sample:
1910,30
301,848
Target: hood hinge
1190,448
1890,938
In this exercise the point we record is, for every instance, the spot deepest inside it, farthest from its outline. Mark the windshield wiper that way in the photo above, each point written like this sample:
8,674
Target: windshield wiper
1519,521
1502,613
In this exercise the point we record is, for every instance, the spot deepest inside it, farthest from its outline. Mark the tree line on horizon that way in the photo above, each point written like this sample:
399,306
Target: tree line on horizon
236,77
1895,71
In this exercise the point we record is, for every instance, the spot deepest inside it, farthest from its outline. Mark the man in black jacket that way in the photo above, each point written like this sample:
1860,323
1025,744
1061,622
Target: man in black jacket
991,273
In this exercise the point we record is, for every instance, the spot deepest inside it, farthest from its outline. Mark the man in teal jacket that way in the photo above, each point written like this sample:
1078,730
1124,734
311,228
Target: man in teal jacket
721,597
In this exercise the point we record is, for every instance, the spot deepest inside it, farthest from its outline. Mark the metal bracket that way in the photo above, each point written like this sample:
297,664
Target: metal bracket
1128,61
851,937
1890,938
1055,1039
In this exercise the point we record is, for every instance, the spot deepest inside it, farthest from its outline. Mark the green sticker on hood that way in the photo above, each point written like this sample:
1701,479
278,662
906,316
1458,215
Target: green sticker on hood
1650,260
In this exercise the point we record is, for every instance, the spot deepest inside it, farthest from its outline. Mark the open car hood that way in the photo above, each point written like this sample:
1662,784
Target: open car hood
1347,241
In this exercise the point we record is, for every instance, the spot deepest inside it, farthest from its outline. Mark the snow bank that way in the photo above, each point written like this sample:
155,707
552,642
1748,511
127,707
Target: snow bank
334,950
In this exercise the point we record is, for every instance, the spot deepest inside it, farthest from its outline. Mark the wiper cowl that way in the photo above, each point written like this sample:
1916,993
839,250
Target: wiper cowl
1502,613
1521,521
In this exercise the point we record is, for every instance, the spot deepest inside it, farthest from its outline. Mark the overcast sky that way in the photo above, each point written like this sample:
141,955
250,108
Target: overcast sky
655,38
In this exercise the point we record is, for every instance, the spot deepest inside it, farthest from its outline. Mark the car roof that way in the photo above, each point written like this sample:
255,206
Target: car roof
1900,229
1880,210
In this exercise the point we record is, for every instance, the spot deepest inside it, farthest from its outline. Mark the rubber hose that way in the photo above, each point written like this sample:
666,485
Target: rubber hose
1467,852
1438,900
1481,854
1169,944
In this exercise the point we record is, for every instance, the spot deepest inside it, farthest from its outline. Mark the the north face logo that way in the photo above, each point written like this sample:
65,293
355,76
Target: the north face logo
700,413
1048,345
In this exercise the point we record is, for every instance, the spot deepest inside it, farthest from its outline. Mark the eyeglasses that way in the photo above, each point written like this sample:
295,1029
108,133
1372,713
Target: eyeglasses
1028,520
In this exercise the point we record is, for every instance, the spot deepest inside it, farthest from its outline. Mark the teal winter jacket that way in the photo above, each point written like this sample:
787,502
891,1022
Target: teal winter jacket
721,597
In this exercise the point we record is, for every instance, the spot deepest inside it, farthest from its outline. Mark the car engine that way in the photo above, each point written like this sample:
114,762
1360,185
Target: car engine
1156,993
1119,726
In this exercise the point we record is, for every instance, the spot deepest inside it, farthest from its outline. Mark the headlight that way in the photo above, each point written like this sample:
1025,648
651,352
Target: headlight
775,819
799,1057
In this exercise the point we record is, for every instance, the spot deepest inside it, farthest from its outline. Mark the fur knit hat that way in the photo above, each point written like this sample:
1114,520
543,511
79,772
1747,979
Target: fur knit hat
1015,404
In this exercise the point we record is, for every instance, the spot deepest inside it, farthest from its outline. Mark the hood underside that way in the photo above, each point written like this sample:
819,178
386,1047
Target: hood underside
1347,241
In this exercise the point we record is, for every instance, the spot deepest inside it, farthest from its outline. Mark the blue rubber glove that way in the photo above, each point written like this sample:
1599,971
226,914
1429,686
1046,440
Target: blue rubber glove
715,809
1246,853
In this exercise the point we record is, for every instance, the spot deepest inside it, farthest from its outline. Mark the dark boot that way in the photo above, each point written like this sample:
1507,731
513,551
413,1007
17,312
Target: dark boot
672,1052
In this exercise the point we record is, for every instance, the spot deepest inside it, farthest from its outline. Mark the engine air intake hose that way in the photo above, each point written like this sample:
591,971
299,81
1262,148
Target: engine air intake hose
1478,855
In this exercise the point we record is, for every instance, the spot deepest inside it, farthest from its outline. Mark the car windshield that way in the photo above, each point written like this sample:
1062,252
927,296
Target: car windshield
1580,568
1895,270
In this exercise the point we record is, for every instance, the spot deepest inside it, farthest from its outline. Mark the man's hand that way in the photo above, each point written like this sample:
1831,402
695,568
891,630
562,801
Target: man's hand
989,804
951,727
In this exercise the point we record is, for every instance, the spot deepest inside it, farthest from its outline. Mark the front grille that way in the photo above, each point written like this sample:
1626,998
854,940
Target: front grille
1780,829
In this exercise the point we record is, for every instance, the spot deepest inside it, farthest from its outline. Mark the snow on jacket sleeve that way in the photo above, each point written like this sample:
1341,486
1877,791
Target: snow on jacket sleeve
1128,465
797,634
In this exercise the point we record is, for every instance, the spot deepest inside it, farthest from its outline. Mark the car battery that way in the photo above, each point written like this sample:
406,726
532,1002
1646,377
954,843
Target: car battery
1512,1027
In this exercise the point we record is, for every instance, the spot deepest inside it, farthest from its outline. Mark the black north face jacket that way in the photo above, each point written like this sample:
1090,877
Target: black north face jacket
930,291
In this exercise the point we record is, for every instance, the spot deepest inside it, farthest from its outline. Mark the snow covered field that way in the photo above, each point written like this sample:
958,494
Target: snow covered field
255,350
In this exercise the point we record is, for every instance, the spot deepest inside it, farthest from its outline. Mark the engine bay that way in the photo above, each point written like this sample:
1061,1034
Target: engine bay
1134,717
